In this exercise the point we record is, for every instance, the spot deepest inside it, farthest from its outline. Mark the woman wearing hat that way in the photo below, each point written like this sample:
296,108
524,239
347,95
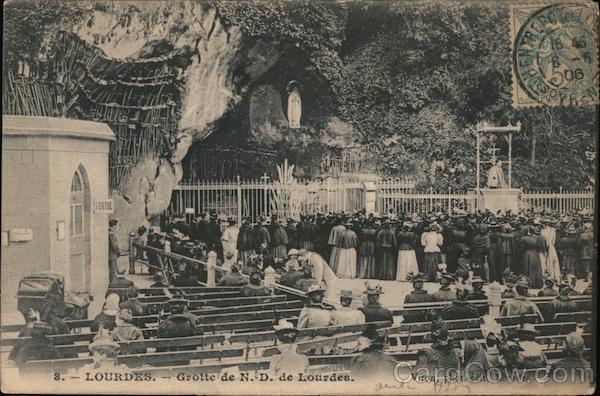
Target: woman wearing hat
407,258
366,267
254,288
432,240
480,250
441,356
315,314
287,360
262,238
460,308
552,265
107,318
345,315
586,251
568,251
373,365
387,251
574,347
548,290
178,323
39,347
279,239
562,303
229,239
125,330
532,355
104,353
333,242
418,295
505,257
306,230
347,244
245,242
531,266
521,305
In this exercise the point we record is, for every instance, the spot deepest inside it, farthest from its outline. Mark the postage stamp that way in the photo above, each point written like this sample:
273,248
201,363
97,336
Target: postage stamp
554,54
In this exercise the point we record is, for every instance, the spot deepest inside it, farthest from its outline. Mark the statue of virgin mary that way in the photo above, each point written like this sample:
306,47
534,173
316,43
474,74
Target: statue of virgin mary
294,107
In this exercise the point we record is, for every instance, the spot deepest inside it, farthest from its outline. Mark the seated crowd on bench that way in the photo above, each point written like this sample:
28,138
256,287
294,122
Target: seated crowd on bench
176,306
116,330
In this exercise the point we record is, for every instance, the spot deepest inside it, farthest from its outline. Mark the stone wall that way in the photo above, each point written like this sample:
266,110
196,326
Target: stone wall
218,69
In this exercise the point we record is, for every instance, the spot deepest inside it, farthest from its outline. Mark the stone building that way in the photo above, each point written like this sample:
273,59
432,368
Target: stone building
55,203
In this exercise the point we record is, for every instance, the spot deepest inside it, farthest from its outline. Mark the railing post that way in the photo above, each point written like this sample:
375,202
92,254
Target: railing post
180,208
211,263
239,201
560,198
494,299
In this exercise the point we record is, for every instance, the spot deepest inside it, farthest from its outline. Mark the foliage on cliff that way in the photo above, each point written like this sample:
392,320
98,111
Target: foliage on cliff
415,86
26,24
413,78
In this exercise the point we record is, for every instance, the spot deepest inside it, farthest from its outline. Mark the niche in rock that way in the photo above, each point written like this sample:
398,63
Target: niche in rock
266,115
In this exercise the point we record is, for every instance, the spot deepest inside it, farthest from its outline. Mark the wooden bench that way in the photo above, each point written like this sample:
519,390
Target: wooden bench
247,326
304,333
225,302
41,366
159,291
192,297
549,328
208,322
558,339
482,305
166,357
579,317
197,341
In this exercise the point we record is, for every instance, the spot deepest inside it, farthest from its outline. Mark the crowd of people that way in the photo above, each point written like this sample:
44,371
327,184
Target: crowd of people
535,244
523,252
502,348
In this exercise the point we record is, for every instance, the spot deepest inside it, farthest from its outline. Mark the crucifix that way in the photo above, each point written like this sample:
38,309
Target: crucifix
265,178
484,128
493,151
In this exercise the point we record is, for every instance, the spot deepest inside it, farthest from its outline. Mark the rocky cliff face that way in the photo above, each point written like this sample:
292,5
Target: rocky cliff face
219,68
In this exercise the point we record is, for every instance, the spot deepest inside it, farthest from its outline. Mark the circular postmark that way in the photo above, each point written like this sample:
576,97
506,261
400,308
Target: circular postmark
555,56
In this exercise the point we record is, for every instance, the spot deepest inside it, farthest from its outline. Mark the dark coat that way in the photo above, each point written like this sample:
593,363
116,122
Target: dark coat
245,239
120,282
290,278
459,310
186,280
177,325
560,304
278,235
261,235
417,296
373,364
547,292
376,313
254,291
233,279
477,295
136,307
36,349
443,358
104,320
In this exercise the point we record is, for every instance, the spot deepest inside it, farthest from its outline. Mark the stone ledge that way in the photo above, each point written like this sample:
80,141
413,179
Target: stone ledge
55,127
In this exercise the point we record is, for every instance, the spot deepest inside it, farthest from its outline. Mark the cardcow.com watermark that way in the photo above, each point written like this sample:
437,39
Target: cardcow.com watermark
474,372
